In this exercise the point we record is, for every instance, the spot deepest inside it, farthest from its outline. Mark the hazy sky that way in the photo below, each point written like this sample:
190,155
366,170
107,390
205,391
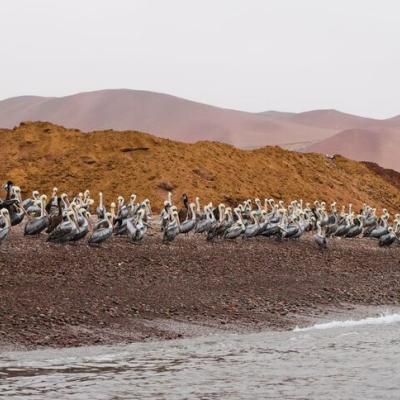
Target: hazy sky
253,55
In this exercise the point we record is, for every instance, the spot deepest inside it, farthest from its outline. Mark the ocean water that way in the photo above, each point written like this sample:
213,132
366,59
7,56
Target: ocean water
354,359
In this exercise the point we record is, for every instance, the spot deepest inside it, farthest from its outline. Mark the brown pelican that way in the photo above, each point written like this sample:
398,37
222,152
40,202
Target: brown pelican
387,239
55,220
83,225
171,230
206,222
189,224
66,231
66,203
225,222
5,228
199,213
320,238
237,228
165,215
131,229
36,225
132,206
136,231
381,229
292,230
52,205
9,186
356,229
33,206
102,233
147,208
184,212
123,211
344,227
100,211
252,229
16,211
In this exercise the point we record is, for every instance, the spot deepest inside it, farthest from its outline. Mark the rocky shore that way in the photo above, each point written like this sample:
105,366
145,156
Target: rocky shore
75,295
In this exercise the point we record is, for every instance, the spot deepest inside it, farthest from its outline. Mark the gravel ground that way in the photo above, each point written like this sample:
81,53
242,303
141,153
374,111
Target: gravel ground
52,295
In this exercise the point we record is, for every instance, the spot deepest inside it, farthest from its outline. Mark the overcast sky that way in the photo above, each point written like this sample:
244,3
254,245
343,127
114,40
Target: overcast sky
255,55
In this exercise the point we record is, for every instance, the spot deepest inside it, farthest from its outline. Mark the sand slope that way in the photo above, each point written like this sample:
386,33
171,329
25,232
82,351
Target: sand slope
40,155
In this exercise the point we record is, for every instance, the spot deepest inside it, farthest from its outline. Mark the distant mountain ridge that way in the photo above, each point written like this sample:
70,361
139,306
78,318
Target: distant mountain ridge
189,121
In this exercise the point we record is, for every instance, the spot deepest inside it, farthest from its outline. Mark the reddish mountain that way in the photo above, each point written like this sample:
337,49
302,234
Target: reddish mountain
332,119
381,146
166,116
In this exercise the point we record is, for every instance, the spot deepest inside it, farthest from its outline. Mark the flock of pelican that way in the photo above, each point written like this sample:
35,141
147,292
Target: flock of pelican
66,221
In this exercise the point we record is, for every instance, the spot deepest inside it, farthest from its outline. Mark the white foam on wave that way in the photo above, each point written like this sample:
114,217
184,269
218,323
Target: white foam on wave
382,319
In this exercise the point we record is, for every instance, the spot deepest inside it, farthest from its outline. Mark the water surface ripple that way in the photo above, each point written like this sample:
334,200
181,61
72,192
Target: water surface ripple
338,361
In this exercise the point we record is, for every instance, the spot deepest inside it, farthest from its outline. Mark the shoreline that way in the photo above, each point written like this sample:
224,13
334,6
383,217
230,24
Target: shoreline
181,329
74,295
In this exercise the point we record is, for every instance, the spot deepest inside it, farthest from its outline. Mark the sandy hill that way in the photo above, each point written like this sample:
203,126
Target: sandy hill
381,146
332,119
40,155
160,114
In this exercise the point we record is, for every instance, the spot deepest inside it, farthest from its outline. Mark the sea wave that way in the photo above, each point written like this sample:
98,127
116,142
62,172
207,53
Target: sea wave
382,319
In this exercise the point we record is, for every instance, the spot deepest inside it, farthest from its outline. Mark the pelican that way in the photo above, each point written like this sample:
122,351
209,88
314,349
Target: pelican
123,211
165,215
320,238
66,231
137,231
38,224
252,229
388,239
189,224
52,205
16,211
146,205
132,207
66,203
102,233
206,222
32,206
171,230
198,208
55,220
356,229
100,211
83,225
237,228
225,221
5,229
344,228
184,212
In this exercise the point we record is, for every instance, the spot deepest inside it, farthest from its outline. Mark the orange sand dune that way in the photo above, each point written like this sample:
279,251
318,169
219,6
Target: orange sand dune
40,155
